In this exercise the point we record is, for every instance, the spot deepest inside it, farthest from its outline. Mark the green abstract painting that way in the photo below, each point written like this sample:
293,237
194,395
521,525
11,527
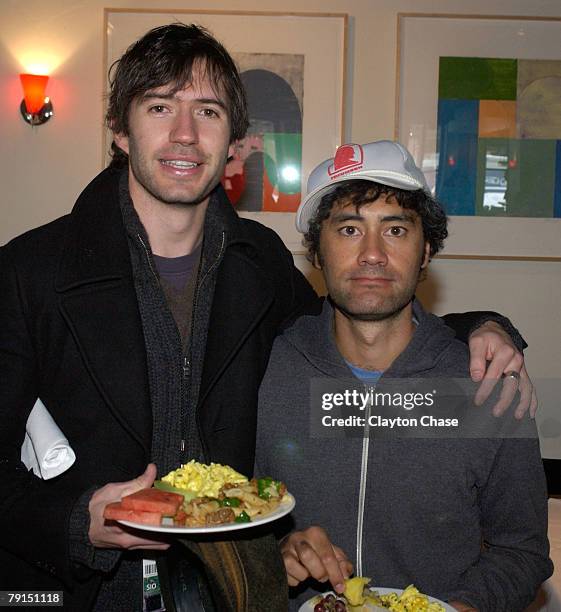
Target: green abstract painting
499,137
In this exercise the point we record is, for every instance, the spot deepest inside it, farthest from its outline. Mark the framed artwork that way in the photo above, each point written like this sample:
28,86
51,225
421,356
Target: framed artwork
293,69
478,104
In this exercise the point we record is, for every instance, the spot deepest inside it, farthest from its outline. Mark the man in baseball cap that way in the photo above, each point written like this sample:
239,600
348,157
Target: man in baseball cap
390,166
399,509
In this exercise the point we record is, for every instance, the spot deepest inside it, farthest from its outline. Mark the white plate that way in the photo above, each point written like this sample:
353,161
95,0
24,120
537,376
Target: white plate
308,606
286,506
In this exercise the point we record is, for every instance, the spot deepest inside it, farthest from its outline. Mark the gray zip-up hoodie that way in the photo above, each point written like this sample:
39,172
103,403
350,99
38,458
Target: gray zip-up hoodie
462,519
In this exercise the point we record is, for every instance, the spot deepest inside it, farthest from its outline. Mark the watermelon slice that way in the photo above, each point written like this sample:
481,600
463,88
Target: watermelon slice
153,500
116,512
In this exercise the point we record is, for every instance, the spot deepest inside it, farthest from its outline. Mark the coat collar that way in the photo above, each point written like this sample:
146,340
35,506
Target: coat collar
95,247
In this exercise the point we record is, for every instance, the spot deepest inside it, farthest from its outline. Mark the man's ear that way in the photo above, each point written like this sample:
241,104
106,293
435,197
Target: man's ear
426,256
121,141
232,149
316,262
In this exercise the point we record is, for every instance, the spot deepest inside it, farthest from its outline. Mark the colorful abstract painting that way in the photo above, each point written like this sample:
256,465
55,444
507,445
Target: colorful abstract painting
265,173
499,137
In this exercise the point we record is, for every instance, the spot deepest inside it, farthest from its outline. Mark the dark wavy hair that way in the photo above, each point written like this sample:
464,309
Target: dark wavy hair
360,192
167,55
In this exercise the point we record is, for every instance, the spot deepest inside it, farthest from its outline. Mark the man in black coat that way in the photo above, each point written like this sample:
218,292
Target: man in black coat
144,321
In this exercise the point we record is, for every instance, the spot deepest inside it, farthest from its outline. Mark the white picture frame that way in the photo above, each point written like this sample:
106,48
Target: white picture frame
422,38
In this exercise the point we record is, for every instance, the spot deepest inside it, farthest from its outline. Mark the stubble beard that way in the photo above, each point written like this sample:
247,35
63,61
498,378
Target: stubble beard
139,166
387,309
374,309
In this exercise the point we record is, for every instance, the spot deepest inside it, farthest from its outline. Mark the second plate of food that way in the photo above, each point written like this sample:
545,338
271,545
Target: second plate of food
310,605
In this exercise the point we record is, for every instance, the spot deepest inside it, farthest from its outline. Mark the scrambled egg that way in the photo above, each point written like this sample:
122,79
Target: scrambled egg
411,600
204,480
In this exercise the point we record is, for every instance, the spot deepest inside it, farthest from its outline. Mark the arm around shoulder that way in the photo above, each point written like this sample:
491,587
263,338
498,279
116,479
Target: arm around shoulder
465,323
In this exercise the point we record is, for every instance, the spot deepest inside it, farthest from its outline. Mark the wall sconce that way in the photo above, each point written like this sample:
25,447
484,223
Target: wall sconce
35,108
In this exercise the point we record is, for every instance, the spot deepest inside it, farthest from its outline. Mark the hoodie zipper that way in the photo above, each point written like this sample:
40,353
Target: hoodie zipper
363,479
362,489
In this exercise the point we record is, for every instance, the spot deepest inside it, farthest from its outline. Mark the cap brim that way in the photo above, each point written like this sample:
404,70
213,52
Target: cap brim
310,203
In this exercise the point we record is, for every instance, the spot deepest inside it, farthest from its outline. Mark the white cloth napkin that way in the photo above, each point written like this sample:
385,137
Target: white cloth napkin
45,449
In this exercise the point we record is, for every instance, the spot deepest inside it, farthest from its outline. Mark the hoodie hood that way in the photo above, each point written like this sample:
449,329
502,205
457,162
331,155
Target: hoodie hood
313,337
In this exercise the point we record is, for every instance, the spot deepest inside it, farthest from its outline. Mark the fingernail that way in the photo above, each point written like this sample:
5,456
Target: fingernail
476,375
339,588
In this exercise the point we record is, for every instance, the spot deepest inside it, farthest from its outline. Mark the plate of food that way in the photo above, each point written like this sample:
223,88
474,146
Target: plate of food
200,498
359,597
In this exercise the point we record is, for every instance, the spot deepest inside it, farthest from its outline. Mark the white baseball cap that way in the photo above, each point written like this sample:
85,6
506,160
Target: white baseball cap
384,161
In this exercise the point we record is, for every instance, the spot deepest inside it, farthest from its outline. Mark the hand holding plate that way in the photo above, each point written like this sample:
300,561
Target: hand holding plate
109,534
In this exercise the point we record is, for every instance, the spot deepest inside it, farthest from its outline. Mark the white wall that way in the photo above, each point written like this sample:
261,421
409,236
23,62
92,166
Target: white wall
43,170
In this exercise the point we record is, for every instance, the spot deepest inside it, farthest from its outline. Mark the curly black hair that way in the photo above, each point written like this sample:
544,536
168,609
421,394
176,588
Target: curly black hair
167,55
360,192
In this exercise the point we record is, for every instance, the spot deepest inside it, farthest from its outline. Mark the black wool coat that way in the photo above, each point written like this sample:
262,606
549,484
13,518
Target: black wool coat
70,333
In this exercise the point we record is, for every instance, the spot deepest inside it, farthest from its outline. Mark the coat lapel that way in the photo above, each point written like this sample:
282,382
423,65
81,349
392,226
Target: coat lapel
234,316
243,292
98,301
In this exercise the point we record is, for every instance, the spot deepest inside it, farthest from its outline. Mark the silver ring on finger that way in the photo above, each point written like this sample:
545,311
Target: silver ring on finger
512,374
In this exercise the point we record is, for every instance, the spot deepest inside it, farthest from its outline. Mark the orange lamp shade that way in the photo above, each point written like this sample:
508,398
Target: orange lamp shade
34,86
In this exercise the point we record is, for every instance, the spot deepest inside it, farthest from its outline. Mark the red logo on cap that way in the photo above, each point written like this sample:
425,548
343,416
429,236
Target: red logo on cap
347,159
